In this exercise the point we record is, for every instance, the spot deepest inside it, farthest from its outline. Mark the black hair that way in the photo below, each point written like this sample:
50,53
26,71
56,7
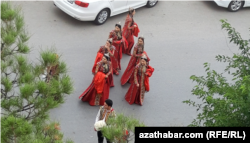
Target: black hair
145,59
131,15
109,102
118,25
143,42
107,57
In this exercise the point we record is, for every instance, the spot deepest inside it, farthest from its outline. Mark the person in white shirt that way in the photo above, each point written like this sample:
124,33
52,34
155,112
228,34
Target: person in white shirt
106,111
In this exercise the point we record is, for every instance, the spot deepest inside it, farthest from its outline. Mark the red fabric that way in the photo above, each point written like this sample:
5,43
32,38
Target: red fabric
134,93
90,93
97,59
136,30
117,42
119,45
128,35
99,81
124,46
129,70
113,61
128,73
149,72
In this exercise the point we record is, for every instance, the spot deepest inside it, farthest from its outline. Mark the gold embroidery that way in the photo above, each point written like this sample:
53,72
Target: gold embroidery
135,76
97,67
143,70
97,98
108,114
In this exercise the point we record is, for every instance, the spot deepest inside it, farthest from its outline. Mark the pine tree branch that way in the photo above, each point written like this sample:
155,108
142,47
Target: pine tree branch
4,114
12,96
25,107
3,93
38,93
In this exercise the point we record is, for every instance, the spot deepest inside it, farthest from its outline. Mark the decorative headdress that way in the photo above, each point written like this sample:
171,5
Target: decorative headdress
107,56
141,37
144,57
131,9
118,24
110,40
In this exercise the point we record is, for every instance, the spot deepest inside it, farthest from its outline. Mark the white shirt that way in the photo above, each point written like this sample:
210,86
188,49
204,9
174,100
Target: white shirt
98,114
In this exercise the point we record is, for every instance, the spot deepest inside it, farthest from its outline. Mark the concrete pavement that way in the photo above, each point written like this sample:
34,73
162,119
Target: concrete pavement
179,38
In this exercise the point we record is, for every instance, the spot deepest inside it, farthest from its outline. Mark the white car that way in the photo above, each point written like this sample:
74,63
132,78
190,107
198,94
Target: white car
233,5
99,10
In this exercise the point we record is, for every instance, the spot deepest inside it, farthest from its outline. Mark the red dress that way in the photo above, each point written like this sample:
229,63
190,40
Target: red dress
120,45
134,60
98,90
141,75
129,34
114,61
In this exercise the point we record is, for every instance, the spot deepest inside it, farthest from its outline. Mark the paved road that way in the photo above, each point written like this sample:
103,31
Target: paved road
179,38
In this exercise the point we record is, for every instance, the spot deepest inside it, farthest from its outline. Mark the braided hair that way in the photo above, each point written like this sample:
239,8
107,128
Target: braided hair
142,38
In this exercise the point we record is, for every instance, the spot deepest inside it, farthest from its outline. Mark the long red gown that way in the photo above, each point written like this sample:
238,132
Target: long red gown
120,45
129,34
134,60
90,94
114,61
136,94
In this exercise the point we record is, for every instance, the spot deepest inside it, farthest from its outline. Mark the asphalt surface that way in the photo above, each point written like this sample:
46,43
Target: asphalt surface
179,38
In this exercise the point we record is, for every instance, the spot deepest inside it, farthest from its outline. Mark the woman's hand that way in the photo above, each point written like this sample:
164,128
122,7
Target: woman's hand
106,76
137,85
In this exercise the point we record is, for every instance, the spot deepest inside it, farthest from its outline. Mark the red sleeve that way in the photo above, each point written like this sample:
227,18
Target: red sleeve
117,42
147,56
136,30
149,73
111,34
99,82
100,50
97,59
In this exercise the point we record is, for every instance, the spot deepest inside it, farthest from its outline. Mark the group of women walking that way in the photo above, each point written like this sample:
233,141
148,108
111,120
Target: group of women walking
107,63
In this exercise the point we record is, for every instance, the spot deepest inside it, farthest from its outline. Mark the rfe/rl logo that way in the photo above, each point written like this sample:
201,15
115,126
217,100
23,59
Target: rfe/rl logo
225,134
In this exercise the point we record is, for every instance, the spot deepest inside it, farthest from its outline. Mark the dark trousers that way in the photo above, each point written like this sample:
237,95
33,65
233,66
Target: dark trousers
100,137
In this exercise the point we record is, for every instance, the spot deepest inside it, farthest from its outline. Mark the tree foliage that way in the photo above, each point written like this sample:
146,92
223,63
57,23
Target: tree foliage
225,103
121,129
26,93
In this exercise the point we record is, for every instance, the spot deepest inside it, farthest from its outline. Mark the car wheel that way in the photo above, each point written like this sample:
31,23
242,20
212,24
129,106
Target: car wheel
151,3
102,16
235,5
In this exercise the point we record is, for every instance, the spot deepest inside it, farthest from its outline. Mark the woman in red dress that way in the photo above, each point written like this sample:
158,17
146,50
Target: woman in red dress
134,60
140,85
120,43
128,31
108,48
98,90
